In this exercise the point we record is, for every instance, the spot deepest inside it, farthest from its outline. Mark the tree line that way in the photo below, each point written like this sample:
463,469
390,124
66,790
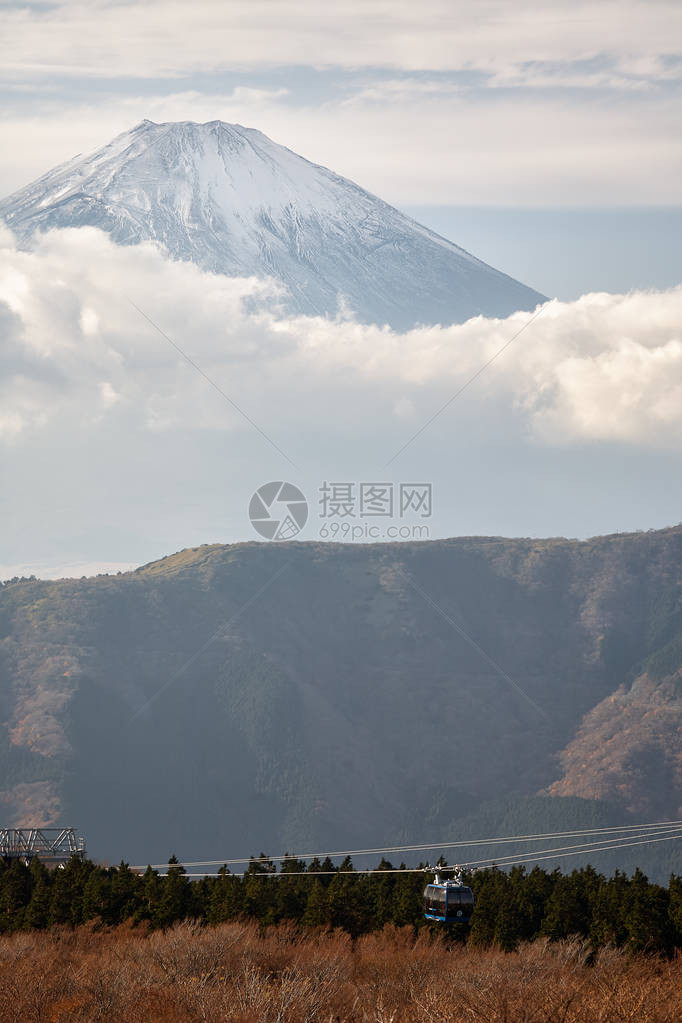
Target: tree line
511,907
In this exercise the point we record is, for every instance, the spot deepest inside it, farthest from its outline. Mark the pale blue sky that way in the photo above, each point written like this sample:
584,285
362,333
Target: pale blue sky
565,253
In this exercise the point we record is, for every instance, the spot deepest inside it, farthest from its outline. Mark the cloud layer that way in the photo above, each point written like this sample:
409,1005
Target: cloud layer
77,353
550,103
168,37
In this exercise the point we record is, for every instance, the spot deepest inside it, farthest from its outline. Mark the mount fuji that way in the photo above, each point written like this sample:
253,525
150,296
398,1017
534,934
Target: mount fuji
234,202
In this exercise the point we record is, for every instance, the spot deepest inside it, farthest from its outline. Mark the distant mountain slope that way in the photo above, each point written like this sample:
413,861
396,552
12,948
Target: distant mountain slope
629,749
228,699
234,202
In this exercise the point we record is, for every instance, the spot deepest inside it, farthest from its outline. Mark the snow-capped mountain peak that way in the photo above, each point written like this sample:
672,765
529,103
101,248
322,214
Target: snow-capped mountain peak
233,201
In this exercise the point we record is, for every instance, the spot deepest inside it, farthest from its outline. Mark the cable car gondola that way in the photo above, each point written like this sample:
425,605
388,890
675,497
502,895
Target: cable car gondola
448,901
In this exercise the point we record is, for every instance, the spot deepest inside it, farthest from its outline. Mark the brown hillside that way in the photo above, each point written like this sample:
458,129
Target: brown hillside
629,750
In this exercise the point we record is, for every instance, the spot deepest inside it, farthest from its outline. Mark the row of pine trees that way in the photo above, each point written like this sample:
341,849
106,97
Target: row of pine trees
511,907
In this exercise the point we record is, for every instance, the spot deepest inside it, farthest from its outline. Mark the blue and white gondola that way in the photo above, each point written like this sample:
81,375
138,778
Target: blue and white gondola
448,901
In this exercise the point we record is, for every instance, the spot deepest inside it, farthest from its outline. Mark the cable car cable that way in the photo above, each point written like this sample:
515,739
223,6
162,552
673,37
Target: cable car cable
479,865
429,847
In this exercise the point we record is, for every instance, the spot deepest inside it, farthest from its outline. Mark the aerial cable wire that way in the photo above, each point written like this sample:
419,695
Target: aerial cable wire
631,829
626,842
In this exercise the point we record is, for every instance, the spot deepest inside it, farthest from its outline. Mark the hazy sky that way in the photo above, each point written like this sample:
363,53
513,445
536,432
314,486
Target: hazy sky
543,137
486,121
562,103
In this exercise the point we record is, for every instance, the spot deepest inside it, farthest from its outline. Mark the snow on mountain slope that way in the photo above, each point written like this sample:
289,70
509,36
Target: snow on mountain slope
234,202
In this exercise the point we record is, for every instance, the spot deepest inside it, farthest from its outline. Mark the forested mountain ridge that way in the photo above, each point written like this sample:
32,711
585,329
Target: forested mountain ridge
338,695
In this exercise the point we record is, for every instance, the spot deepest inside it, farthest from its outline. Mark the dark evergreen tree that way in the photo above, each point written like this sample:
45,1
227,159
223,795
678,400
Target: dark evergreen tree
97,896
149,896
382,889
645,917
533,892
675,910
345,901
407,899
68,886
176,897
291,893
125,896
226,901
569,907
37,913
491,891
15,893
316,913
607,925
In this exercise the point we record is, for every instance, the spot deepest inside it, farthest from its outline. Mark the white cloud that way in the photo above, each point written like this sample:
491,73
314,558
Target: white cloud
170,37
553,103
107,394
602,369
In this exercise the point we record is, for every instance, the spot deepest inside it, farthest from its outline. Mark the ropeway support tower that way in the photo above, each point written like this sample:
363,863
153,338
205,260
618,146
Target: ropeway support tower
53,846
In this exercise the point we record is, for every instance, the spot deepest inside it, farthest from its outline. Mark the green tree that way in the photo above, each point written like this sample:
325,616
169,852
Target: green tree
345,901
607,926
15,894
291,893
533,892
126,894
149,896
408,892
66,904
675,909
316,913
37,913
97,896
226,899
491,891
175,901
570,906
645,918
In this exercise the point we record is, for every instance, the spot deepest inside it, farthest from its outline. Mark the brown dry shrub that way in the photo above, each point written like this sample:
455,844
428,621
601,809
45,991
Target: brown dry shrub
239,974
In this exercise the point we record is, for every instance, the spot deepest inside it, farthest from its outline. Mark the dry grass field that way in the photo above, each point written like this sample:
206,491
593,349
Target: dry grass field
237,973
